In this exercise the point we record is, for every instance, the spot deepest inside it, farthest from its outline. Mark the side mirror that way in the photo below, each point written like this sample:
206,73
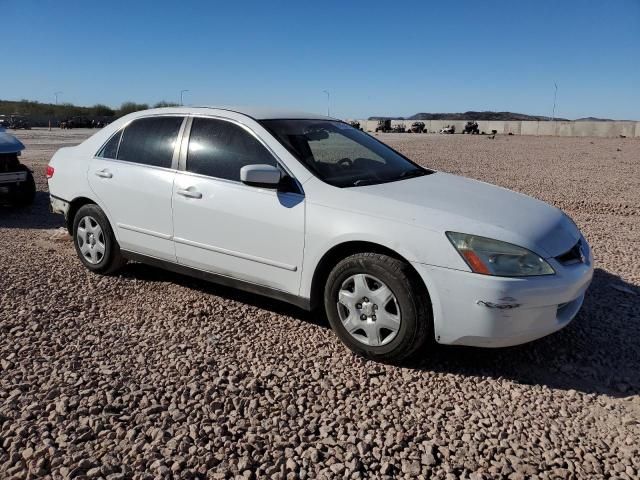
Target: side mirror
266,176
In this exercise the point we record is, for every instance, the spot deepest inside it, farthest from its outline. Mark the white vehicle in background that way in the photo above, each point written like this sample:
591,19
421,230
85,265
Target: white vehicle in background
312,211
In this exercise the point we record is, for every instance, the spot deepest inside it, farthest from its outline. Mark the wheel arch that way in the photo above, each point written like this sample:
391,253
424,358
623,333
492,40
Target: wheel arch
74,206
343,250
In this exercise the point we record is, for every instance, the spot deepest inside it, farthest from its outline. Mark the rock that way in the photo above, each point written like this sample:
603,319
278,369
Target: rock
428,459
153,410
94,472
27,453
411,467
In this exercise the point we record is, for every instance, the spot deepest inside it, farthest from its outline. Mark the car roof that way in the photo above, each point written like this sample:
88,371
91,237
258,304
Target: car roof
266,113
257,113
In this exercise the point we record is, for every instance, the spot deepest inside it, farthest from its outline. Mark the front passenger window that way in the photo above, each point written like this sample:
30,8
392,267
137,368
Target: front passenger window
218,148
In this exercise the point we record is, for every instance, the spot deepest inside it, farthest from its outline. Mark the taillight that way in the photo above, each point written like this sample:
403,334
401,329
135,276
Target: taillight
50,171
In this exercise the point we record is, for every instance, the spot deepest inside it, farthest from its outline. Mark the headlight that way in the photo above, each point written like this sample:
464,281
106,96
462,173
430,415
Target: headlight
492,257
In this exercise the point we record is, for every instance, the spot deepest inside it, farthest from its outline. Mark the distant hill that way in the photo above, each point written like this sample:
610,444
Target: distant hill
504,116
390,118
596,119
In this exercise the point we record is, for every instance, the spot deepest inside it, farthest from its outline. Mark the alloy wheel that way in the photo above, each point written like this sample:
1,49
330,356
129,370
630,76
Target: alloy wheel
369,310
90,240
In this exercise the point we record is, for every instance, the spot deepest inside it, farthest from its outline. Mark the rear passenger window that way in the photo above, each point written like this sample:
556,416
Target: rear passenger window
220,149
150,141
110,149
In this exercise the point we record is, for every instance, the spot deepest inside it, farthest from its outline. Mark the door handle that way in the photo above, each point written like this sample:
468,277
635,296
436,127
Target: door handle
104,174
188,193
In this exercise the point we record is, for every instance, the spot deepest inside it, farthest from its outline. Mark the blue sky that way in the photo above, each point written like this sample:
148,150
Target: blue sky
374,58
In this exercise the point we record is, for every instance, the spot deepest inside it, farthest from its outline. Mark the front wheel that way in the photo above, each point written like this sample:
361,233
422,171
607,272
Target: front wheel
378,307
95,242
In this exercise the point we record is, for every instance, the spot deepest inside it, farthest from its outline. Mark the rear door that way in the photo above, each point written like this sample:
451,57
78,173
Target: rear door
224,226
133,177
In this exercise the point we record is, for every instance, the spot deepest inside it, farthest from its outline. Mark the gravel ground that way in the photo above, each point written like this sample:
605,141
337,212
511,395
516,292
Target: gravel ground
150,374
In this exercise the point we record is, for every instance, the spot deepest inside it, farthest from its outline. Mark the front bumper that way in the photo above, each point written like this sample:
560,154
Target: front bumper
10,178
485,311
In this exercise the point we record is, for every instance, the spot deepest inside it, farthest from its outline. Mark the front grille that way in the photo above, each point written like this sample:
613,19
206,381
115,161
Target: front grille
574,255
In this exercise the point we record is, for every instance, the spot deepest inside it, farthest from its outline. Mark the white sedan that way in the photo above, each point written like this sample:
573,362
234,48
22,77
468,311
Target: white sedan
312,211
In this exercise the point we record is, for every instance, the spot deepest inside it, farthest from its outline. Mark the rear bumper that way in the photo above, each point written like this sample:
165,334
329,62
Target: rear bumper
58,205
485,311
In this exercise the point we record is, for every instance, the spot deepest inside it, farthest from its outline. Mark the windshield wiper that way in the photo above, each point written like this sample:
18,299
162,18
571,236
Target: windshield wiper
412,173
367,181
406,174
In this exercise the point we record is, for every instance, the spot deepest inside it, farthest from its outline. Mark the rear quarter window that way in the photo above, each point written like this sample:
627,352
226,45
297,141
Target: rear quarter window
110,149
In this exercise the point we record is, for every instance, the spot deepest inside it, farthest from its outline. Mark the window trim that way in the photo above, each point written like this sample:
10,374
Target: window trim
184,150
176,149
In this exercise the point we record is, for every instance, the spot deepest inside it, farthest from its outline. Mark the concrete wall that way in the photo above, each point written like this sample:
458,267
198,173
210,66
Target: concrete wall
562,129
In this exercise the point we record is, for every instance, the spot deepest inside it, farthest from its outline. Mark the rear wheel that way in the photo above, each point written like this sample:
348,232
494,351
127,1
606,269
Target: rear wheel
378,308
95,242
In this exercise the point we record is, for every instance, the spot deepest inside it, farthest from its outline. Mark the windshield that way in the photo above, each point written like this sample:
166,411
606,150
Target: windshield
341,155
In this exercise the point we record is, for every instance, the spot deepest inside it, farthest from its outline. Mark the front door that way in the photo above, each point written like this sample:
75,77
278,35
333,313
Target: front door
224,226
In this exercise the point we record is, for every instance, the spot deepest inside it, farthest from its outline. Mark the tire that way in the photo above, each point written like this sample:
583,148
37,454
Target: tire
95,242
408,311
25,193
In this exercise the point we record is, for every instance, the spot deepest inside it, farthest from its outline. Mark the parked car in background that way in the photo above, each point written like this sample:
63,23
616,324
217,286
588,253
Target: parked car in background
310,210
17,186
384,126
15,122
417,127
471,128
77,122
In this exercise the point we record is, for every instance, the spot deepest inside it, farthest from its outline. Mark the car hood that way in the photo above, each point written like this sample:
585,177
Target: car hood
445,202
9,143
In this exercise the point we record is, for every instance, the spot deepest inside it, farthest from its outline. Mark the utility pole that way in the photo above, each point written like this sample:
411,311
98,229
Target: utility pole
328,101
56,94
182,92
555,96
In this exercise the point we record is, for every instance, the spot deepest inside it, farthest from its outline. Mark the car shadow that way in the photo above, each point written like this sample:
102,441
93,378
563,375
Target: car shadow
150,273
35,216
598,352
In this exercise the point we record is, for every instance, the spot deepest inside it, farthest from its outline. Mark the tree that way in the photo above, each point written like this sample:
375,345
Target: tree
100,110
130,107
164,103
